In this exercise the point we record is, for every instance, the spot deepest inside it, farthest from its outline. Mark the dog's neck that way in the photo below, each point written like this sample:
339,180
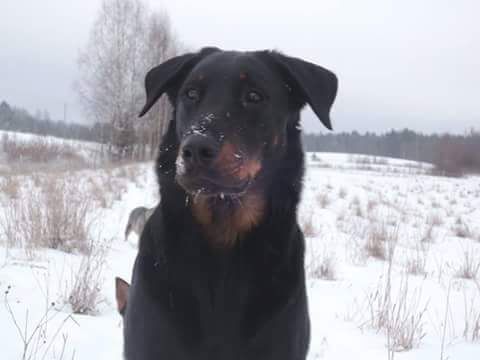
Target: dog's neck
225,221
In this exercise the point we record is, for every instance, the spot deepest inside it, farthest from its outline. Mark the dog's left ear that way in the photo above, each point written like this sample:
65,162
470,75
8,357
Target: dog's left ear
162,78
314,84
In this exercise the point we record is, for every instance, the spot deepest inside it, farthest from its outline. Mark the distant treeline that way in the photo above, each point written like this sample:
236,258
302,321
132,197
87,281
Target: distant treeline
20,120
452,154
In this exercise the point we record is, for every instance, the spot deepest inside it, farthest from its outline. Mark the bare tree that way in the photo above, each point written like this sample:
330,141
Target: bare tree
125,41
160,46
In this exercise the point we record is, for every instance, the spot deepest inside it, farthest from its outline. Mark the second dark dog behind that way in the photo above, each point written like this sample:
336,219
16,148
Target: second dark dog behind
137,219
220,268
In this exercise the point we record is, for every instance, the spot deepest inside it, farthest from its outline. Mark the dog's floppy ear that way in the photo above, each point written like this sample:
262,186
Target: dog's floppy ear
121,294
316,85
163,77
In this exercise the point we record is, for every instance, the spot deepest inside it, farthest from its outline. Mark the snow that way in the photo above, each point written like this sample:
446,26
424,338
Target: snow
345,197
26,137
88,151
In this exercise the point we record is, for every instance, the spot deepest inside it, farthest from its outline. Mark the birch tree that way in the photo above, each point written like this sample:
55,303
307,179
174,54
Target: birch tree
126,40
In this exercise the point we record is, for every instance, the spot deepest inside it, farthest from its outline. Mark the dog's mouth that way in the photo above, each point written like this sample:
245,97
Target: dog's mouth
211,186
228,172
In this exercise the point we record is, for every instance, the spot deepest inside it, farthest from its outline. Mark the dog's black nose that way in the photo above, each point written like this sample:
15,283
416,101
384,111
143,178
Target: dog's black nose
198,150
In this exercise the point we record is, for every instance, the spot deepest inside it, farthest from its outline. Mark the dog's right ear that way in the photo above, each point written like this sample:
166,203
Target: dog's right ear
311,84
163,78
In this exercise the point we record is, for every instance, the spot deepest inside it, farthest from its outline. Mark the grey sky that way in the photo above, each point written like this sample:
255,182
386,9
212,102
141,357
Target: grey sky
401,64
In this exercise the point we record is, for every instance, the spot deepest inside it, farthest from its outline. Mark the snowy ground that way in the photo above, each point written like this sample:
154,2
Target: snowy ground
87,154
429,224
84,148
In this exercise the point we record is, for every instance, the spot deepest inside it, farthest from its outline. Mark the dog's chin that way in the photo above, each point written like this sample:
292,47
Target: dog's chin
204,186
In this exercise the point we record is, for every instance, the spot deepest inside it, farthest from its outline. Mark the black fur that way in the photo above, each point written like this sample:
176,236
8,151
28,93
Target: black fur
189,300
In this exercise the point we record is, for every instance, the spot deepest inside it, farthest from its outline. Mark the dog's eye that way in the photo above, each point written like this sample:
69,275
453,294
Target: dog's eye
253,97
192,94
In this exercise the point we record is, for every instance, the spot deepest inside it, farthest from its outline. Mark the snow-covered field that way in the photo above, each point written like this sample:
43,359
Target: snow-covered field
84,148
393,262
31,152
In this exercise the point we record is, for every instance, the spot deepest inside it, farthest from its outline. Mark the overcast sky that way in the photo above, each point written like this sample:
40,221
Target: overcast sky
409,63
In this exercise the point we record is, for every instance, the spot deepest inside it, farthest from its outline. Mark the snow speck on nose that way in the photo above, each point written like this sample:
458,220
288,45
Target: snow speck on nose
180,165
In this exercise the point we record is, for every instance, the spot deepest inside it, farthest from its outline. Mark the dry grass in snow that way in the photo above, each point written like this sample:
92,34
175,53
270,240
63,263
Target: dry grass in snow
56,215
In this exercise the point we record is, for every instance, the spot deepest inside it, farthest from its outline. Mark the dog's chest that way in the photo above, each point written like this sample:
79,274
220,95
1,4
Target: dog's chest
220,286
207,301
213,307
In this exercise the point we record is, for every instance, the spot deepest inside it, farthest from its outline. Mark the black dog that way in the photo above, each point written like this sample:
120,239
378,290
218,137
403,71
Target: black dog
220,269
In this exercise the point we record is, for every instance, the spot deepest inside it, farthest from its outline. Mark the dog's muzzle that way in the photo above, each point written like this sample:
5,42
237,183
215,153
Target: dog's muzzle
204,165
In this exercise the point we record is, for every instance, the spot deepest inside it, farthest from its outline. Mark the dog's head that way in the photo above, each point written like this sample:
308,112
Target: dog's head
233,110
